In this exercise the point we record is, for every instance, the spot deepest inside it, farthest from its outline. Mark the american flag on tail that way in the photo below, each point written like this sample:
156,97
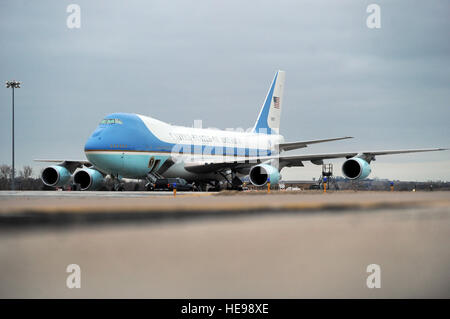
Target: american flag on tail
276,102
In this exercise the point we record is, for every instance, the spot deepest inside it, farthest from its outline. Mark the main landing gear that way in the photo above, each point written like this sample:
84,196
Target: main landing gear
118,186
212,186
233,182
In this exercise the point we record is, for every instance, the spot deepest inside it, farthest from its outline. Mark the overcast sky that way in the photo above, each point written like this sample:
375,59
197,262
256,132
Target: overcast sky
179,61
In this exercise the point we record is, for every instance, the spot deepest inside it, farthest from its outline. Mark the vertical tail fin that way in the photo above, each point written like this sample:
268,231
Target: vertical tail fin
268,121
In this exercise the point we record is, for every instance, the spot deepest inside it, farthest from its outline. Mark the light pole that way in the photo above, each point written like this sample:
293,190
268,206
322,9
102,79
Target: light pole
13,85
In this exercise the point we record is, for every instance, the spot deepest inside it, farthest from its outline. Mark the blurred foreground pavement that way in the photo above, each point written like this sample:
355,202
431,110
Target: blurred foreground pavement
306,254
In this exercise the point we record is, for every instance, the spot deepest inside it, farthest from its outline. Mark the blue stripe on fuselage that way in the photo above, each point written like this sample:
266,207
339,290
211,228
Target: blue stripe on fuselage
133,135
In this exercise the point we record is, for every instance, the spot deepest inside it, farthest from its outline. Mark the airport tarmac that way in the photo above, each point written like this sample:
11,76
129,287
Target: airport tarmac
110,202
245,245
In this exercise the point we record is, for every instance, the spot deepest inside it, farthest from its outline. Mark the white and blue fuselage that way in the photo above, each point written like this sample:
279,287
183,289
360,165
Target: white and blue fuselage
132,146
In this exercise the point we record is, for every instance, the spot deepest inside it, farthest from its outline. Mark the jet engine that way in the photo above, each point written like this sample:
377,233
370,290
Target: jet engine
55,176
260,175
356,168
88,179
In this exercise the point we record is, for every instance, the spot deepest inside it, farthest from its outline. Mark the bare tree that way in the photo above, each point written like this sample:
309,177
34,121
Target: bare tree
5,171
26,172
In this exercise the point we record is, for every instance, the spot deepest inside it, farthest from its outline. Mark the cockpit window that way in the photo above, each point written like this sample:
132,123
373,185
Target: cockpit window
111,121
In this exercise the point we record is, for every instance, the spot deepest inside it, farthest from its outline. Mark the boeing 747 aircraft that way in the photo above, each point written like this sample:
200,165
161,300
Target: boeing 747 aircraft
140,147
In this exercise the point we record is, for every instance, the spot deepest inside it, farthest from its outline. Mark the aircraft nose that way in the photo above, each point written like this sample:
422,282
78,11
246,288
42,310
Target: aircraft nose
95,141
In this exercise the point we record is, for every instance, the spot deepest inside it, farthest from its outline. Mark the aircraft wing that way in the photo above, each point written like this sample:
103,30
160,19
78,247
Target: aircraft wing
367,155
71,165
293,160
296,145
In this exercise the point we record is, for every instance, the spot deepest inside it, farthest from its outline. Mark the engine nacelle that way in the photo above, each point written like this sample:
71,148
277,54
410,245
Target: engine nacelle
260,174
55,176
356,168
88,179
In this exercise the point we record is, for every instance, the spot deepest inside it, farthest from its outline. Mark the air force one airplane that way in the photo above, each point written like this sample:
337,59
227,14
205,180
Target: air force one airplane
139,147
